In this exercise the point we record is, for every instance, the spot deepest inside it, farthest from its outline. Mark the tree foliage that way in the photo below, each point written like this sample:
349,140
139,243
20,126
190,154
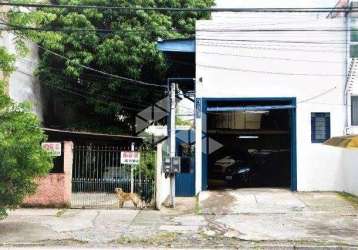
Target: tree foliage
21,156
128,50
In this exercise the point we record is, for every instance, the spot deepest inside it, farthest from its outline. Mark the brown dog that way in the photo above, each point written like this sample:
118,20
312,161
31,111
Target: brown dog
123,197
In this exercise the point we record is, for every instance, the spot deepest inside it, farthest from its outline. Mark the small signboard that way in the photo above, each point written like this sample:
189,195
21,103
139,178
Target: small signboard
130,157
54,148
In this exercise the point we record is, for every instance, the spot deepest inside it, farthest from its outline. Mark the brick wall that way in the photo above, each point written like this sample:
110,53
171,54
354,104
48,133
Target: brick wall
50,192
54,190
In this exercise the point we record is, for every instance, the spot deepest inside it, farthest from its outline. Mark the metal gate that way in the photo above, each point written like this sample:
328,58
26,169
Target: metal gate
97,171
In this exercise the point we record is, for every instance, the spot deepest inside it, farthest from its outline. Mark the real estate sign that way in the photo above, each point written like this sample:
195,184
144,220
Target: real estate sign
54,148
130,157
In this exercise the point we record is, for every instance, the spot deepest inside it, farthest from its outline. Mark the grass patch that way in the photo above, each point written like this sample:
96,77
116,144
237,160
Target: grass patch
351,198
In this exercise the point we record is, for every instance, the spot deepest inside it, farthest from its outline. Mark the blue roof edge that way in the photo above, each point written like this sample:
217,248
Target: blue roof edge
177,45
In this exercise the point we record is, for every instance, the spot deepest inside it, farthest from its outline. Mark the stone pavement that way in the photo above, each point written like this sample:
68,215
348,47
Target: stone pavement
247,218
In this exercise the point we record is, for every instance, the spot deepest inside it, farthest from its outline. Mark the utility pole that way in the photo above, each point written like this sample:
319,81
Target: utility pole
172,141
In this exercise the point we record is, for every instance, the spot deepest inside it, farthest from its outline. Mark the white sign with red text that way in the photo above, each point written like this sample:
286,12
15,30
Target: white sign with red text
130,157
53,147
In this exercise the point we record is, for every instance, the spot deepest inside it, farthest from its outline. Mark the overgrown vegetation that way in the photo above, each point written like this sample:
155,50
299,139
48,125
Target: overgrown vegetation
147,162
21,157
120,42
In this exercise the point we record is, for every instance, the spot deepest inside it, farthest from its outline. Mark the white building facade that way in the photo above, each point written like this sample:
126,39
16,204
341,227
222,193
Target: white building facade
299,59
23,85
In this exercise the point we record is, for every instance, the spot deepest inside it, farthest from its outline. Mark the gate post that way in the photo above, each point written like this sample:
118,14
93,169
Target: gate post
67,169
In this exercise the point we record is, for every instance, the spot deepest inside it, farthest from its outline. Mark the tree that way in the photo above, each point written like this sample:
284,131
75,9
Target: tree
128,49
21,157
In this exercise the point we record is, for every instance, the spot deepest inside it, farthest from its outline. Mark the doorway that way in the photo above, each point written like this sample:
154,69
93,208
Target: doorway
249,143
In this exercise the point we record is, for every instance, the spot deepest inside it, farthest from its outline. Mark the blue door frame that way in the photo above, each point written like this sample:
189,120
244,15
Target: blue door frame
292,114
185,182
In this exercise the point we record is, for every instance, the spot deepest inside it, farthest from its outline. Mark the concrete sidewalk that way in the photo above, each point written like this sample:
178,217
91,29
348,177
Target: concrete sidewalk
239,218
284,216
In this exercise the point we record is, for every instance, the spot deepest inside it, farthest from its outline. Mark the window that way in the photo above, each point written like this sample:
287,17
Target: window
354,36
354,103
320,127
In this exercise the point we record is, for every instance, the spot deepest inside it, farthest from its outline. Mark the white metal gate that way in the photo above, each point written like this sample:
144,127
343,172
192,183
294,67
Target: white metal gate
97,171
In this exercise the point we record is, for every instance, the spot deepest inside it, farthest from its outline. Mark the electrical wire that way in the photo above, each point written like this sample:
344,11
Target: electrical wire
275,45
65,30
265,47
275,30
103,72
60,72
123,99
267,41
318,95
88,95
267,58
267,72
170,9
12,27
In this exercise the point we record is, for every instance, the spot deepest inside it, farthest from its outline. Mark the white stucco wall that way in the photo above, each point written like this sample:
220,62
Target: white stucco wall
23,85
162,184
350,170
343,168
312,69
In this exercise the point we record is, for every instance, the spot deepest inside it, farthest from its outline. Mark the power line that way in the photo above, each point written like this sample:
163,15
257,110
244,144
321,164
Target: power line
272,45
268,57
268,41
223,39
110,97
265,47
22,27
103,72
102,78
318,95
91,95
178,9
53,29
12,27
123,99
71,91
276,30
267,72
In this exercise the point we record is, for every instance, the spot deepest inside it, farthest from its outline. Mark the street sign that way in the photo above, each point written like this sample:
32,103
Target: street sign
130,157
54,148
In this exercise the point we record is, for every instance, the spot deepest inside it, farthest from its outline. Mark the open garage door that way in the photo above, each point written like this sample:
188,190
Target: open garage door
257,141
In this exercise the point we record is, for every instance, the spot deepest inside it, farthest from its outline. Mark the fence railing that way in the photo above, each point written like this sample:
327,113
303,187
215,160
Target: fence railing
97,172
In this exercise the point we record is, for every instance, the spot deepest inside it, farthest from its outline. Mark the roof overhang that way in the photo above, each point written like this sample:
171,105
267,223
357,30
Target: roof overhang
177,46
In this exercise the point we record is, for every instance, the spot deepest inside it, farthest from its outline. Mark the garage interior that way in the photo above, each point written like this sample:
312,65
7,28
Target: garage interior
255,138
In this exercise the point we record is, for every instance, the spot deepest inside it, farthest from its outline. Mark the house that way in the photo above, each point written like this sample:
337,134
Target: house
270,89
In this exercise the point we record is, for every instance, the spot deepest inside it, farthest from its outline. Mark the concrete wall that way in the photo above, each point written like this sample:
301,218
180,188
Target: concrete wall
342,168
312,68
55,189
23,85
162,184
350,171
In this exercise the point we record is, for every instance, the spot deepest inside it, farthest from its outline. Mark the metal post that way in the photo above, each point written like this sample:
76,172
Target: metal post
132,170
172,142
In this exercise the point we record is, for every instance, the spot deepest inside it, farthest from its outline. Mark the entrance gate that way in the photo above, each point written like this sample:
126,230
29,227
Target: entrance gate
97,171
